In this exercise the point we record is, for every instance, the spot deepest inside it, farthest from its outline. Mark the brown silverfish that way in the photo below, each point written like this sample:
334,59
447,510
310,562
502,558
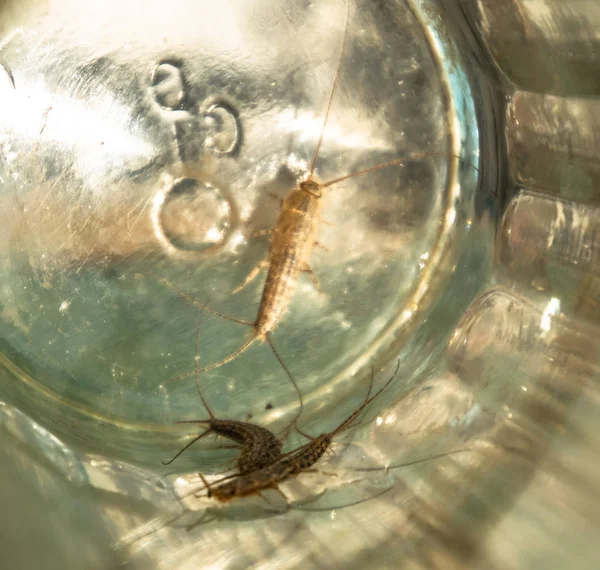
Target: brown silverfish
293,463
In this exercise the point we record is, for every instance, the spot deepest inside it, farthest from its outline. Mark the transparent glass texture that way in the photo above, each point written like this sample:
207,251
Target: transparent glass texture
147,151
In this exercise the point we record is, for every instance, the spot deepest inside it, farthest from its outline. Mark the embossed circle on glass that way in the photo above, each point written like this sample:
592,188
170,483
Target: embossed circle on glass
191,217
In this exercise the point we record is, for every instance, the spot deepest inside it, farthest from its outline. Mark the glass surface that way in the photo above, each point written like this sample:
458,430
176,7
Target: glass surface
147,150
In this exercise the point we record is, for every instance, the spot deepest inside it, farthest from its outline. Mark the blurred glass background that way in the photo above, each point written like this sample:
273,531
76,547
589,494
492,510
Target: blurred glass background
144,146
